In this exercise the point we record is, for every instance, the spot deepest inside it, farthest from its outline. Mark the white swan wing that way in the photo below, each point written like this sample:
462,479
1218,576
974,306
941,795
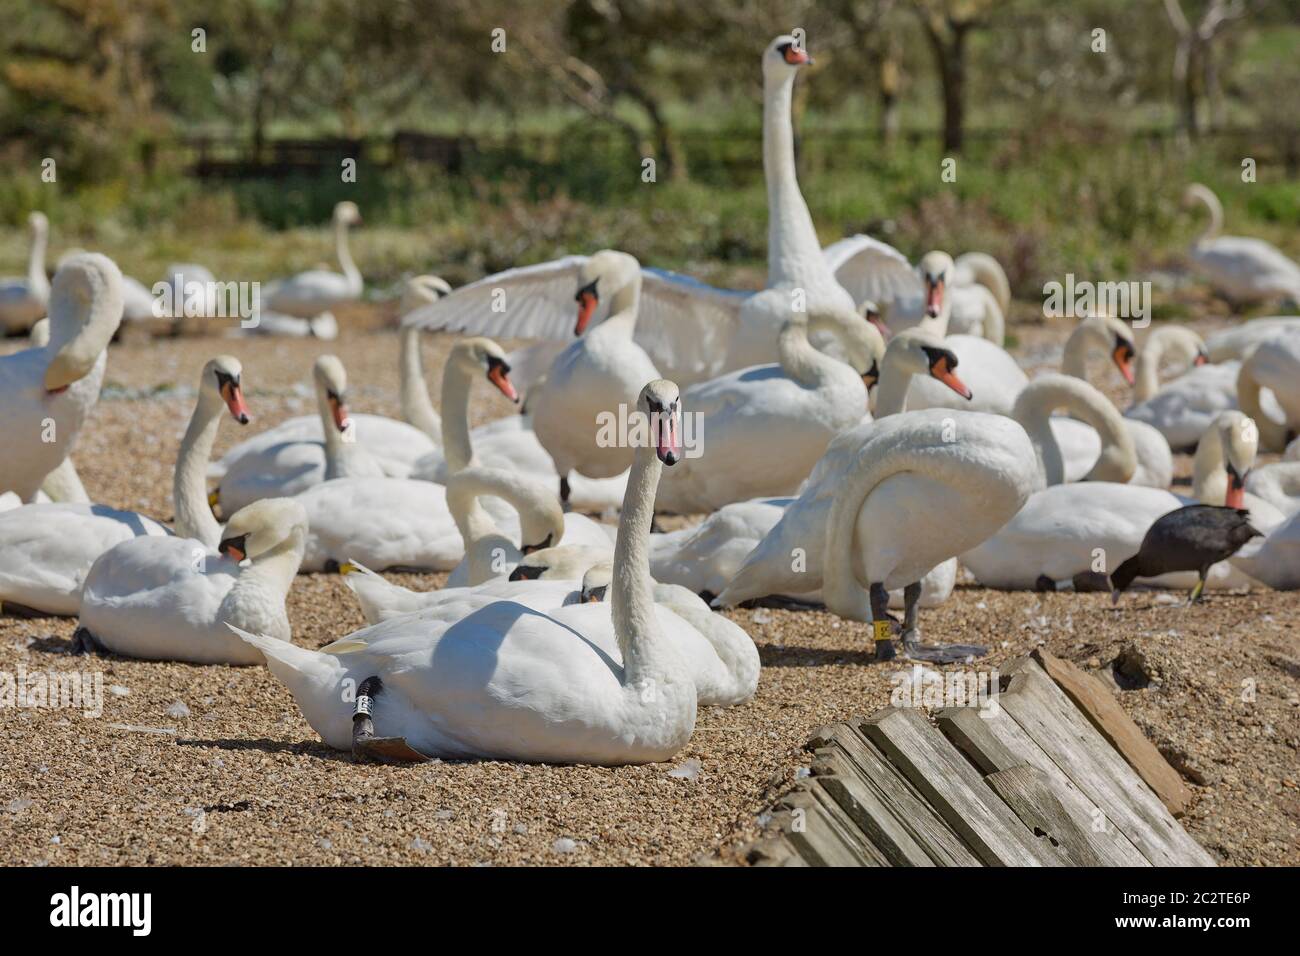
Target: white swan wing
874,271
528,302
685,325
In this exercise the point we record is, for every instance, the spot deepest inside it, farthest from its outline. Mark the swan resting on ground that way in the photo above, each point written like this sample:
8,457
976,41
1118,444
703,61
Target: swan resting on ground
506,682
174,598
46,550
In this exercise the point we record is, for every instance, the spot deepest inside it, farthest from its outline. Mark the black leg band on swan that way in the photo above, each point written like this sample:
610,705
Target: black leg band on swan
365,745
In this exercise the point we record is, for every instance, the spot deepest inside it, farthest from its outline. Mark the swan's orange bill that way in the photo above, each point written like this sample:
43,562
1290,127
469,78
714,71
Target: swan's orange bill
943,373
796,57
880,325
586,306
669,445
340,411
934,298
498,377
1123,356
232,551
234,397
1236,497
1201,359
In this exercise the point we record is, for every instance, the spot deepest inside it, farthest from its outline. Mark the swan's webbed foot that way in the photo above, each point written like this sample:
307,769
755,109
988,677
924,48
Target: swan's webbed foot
913,649
83,642
14,609
365,745
1044,583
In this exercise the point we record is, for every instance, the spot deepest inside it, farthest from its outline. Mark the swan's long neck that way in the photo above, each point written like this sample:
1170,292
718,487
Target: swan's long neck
189,485
792,244
1033,410
1209,469
1215,208
479,531
1272,435
273,572
632,590
1074,359
456,446
623,306
338,451
80,334
891,392
800,360
416,407
36,261
345,256
1146,375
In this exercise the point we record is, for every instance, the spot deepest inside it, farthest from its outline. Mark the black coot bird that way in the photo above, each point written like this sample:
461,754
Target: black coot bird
1189,539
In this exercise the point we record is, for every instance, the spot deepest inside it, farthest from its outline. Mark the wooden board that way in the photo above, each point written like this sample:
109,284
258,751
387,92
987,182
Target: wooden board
1026,791
821,835
955,790
1101,708
884,804
995,742
1047,716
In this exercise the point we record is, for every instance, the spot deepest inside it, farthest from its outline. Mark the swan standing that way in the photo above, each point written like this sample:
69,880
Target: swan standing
1242,269
510,683
308,294
46,550
173,598
46,393
24,300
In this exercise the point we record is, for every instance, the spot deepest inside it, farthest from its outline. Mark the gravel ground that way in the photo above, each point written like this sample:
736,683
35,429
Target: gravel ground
214,765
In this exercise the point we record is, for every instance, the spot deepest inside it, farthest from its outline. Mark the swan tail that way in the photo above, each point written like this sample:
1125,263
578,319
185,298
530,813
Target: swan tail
379,598
297,667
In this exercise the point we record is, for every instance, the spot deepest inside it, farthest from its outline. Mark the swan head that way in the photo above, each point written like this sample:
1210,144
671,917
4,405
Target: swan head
261,527
936,269
346,213
1197,193
1239,436
332,388
1119,342
421,290
483,355
562,562
38,223
871,313
600,277
660,402
87,288
785,55
918,351
221,379
596,582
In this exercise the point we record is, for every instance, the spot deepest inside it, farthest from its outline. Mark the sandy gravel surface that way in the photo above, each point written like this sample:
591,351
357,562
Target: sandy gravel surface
215,765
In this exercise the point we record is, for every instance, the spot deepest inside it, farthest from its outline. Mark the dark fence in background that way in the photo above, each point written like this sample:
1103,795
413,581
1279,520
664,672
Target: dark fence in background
710,156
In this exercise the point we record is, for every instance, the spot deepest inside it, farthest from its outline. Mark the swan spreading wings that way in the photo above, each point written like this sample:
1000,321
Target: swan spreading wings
684,325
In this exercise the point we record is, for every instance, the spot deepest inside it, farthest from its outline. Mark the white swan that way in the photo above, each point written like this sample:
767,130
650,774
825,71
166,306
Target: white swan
1175,343
172,598
1182,409
1235,343
690,331
1075,529
1278,484
510,683
938,293
46,393
1242,269
308,294
891,500
807,399
1115,458
63,483
387,523
1275,561
24,299
46,550
297,454
1275,365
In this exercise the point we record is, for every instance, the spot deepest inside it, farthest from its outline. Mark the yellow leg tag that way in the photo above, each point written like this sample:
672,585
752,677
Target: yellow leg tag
883,630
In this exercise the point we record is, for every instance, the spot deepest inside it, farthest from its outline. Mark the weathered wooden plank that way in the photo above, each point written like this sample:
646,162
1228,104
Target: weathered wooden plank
774,850
954,789
939,841
839,777
1101,708
996,742
818,836
1025,789
1055,724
